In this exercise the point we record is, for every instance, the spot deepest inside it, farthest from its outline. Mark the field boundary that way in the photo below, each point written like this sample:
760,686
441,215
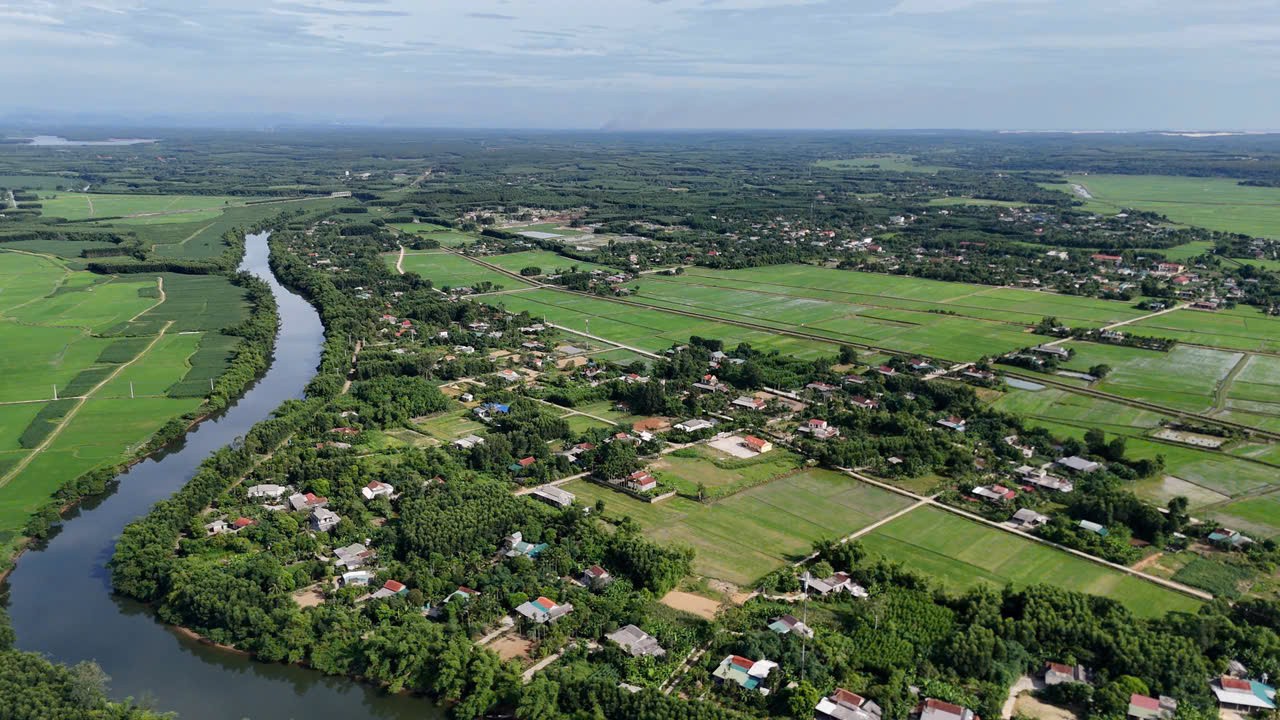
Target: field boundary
80,401
924,500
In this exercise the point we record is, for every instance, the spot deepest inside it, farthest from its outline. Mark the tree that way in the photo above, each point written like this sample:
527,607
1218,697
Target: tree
802,699
530,271
1113,698
540,700
848,355
1100,371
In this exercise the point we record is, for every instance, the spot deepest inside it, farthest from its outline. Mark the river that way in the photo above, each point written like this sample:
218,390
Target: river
60,599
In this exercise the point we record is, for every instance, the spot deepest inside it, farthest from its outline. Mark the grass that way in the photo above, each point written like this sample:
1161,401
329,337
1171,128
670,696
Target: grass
685,469
580,423
963,554
889,162
1206,477
450,426
1185,378
1214,203
447,270
178,208
648,329
548,262
744,537
1217,577
53,330
1241,328
1258,516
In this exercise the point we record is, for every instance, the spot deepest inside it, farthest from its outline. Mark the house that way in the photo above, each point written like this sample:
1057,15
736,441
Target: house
997,494
819,429
596,577
865,403
1142,707
886,371
1058,673
786,624
749,403
1106,259
1229,538
758,445
242,523
1243,696
268,491
748,674
821,388
510,375
953,422
1169,268
1052,351
356,578
377,489
1050,482
353,556
298,501
837,583
462,593
920,365
544,610
695,425
1075,463
466,397
522,464
1093,527
323,520
1026,518
217,527
554,496
390,588
489,410
934,709
468,442
515,545
641,481
844,705
711,383
636,642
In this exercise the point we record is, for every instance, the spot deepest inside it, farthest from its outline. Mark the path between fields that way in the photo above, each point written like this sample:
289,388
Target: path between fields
400,261
1026,683
870,528
1130,321
158,303
606,341
1168,584
80,401
1224,387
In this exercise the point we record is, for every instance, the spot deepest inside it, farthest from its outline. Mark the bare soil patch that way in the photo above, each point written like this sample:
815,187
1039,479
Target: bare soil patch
512,647
690,603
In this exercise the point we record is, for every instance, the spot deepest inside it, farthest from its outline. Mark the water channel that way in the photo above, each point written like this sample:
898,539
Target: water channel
60,599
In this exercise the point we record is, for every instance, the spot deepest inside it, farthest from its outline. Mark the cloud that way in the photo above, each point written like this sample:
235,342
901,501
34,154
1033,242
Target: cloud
915,63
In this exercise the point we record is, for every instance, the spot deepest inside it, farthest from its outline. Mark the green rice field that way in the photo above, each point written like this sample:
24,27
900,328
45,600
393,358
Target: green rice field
1214,203
93,338
152,208
745,536
550,263
447,270
648,329
962,554
1240,328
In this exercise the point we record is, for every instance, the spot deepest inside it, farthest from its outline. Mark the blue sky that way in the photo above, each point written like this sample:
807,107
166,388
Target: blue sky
650,64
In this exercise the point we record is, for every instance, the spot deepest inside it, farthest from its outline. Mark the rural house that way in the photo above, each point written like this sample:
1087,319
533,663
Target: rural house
844,705
786,624
554,496
1142,707
748,674
377,489
934,709
1243,696
758,445
543,610
1057,673
323,520
636,642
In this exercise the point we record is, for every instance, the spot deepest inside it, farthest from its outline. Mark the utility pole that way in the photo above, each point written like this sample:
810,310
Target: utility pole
55,391
131,390
804,639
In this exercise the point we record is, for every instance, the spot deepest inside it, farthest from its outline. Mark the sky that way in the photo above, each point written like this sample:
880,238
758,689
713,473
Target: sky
653,64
